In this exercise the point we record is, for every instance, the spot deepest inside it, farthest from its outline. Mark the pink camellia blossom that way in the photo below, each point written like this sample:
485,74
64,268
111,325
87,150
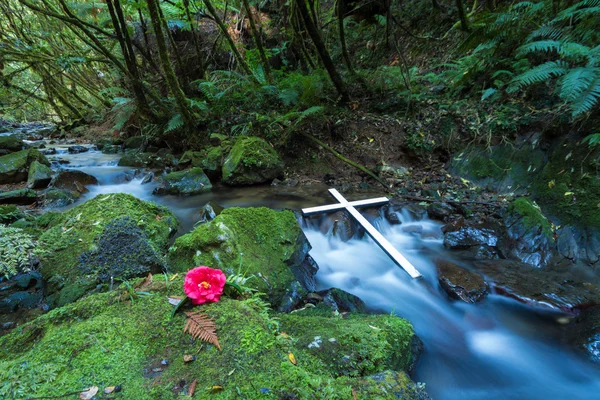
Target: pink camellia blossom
204,285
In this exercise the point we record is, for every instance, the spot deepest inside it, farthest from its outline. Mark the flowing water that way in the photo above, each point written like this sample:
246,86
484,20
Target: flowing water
497,349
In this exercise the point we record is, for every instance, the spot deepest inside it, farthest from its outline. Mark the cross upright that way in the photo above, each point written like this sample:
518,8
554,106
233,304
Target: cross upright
381,241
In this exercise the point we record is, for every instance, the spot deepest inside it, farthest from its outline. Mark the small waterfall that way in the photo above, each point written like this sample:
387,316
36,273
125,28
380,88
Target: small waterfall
496,349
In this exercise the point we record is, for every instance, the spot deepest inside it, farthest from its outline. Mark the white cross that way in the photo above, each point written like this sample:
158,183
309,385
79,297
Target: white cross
377,237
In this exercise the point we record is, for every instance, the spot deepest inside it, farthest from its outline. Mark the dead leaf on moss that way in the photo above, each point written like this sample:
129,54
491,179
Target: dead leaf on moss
192,388
88,393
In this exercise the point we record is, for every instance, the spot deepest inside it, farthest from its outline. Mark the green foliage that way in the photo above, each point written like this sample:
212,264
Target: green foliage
16,249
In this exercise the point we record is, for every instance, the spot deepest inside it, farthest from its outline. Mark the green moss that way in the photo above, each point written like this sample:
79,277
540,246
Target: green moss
76,232
11,143
188,182
251,160
568,187
504,167
14,167
254,241
9,214
530,214
103,340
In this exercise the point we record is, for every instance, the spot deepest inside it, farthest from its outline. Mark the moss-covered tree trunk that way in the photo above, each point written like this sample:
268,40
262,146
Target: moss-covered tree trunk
341,11
188,14
165,62
463,17
313,32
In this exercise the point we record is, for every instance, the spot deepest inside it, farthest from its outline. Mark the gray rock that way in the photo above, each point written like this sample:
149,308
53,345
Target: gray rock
460,283
209,211
586,333
39,176
468,236
20,196
77,149
189,182
14,167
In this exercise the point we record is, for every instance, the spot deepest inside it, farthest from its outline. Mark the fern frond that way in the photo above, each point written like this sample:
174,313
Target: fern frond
488,93
546,32
174,123
539,46
588,99
202,327
541,73
576,82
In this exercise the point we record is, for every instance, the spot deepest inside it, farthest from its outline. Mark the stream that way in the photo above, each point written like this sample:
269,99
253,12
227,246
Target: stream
496,349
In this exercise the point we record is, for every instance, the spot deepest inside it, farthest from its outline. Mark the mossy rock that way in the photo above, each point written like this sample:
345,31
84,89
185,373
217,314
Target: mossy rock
11,144
251,161
70,243
256,241
210,160
146,160
502,168
14,167
134,142
19,196
107,340
188,182
39,175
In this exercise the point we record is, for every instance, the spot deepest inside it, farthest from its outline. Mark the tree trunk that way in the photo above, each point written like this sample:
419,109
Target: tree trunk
199,54
313,32
165,62
341,12
227,36
463,17
258,42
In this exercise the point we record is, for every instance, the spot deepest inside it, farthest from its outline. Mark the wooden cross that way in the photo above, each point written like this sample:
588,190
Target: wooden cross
385,245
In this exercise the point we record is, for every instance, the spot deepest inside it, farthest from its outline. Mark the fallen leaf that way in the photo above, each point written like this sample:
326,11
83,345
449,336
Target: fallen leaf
109,389
173,277
192,388
374,327
216,388
292,359
187,358
551,184
568,193
88,393
145,283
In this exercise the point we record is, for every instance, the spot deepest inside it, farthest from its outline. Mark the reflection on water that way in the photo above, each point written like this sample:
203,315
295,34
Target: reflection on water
493,350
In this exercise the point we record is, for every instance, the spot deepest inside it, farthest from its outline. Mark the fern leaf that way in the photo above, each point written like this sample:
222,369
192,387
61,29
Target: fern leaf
488,93
576,82
174,123
588,99
202,327
539,46
546,32
541,73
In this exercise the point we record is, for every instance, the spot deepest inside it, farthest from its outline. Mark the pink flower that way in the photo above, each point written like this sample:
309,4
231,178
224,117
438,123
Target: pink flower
204,285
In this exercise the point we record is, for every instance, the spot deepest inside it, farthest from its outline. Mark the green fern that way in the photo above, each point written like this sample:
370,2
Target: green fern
175,123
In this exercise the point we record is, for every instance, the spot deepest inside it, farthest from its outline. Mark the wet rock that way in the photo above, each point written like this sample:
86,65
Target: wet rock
586,333
19,196
341,301
293,297
77,149
528,233
210,160
440,211
468,236
460,283
73,181
14,167
251,161
49,151
11,144
149,177
110,149
56,198
39,176
538,286
146,160
209,211
134,142
23,290
189,182
392,215
578,243
285,183
339,224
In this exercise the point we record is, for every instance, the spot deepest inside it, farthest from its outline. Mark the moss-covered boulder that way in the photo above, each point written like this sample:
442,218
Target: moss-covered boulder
11,144
19,196
109,339
15,167
256,241
210,160
39,175
251,161
188,182
111,235
146,160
